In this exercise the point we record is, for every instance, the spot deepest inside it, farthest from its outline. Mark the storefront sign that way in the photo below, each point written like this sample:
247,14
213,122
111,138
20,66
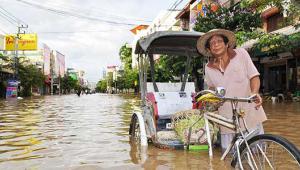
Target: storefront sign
25,42
12,89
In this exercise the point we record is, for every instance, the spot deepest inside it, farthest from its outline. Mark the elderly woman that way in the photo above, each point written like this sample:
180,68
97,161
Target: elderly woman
234,70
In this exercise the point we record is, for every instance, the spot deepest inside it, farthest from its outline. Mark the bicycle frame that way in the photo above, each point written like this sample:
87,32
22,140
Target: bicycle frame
233,124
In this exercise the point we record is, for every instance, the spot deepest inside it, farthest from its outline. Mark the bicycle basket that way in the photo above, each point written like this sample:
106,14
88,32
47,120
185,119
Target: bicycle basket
182,121
209,102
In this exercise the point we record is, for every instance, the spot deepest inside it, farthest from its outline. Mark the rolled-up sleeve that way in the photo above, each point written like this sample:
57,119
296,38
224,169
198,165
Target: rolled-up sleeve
249,66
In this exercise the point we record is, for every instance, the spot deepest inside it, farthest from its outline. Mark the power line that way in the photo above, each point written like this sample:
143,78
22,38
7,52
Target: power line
172,8
178,4
67,13
7,19
13,17
101,11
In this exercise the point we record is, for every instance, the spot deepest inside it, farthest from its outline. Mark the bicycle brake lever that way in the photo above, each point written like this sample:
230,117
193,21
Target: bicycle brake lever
252,98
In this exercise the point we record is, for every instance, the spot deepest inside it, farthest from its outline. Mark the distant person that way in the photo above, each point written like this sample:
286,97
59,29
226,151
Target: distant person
234,70
78,92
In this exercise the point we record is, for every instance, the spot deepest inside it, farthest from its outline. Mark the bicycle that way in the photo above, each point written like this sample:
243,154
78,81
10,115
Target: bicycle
265,151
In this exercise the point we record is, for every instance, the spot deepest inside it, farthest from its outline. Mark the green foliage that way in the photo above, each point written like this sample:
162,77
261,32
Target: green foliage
101,86
244,36
274,43
68,83
235,19
294,40
169,67
30,76
109,79
125,55
7,62
292,9
126,78
245,21
130,76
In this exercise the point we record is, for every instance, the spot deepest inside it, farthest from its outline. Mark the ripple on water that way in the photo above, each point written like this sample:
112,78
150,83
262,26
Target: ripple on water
91,131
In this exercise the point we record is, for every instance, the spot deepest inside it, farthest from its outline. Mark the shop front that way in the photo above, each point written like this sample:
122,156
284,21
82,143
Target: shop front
280,73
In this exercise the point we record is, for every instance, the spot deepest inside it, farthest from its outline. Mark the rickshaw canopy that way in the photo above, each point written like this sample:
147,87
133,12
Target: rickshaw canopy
179,43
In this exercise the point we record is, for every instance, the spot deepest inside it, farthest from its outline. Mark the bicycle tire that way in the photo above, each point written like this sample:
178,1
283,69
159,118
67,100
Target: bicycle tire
290,149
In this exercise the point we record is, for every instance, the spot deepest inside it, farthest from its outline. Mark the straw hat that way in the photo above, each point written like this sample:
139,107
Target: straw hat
203,39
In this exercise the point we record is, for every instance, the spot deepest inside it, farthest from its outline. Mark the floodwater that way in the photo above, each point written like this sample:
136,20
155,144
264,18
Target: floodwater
91,132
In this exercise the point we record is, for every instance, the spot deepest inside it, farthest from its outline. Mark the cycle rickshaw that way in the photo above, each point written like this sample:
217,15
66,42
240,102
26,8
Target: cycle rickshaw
162,101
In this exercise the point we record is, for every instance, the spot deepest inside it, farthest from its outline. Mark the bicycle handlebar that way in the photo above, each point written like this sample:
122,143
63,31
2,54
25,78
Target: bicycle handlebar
238,99
241,99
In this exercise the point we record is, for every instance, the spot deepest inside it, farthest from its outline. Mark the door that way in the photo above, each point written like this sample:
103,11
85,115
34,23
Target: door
277,79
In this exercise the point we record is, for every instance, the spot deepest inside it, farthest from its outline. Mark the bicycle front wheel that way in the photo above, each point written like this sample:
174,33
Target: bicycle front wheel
268,152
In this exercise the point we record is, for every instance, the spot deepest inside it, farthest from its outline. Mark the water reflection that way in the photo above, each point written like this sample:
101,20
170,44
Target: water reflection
91,132
154,158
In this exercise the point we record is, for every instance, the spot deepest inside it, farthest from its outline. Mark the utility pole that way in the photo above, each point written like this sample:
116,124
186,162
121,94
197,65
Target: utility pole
16,46
16,41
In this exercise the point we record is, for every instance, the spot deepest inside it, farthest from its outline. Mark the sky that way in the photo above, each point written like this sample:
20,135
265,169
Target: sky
89,33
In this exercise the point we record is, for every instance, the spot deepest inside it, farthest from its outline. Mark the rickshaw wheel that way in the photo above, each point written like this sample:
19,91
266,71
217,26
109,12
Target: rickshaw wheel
135,130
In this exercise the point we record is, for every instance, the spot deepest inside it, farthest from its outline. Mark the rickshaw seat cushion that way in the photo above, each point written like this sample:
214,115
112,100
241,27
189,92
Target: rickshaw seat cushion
171,87
166,104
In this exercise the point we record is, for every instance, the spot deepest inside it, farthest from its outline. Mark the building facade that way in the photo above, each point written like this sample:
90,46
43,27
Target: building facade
281,67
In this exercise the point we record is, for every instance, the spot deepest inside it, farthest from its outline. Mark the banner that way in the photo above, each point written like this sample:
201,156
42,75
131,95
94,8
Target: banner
46,54
59,64
25,42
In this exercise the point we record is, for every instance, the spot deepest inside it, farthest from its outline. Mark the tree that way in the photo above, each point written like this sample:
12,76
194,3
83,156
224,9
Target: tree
129,75
126,56
168,68
101,86
274,42
30,76
244,20
7,62
289,8
68,84
237,18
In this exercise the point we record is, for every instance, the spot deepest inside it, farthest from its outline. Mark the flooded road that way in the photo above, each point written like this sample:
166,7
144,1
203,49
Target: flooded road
91,132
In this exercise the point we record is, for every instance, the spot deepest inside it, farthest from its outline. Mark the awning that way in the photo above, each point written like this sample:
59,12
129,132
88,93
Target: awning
179,43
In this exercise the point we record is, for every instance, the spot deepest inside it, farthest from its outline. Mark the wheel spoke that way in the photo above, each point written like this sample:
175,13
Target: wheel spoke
265,156
269,152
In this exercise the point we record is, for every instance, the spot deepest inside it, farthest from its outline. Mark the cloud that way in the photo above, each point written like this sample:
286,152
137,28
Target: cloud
88,45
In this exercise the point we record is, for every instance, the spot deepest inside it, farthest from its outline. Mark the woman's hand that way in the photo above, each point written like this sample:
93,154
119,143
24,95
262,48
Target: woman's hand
257,101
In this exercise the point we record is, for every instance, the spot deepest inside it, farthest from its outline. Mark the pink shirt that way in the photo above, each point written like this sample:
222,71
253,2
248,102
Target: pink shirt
236,80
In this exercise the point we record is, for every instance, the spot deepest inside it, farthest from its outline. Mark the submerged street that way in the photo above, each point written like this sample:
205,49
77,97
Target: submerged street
72,74
91,132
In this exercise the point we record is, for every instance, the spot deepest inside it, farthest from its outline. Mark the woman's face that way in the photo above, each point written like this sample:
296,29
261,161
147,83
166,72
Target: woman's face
217,46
